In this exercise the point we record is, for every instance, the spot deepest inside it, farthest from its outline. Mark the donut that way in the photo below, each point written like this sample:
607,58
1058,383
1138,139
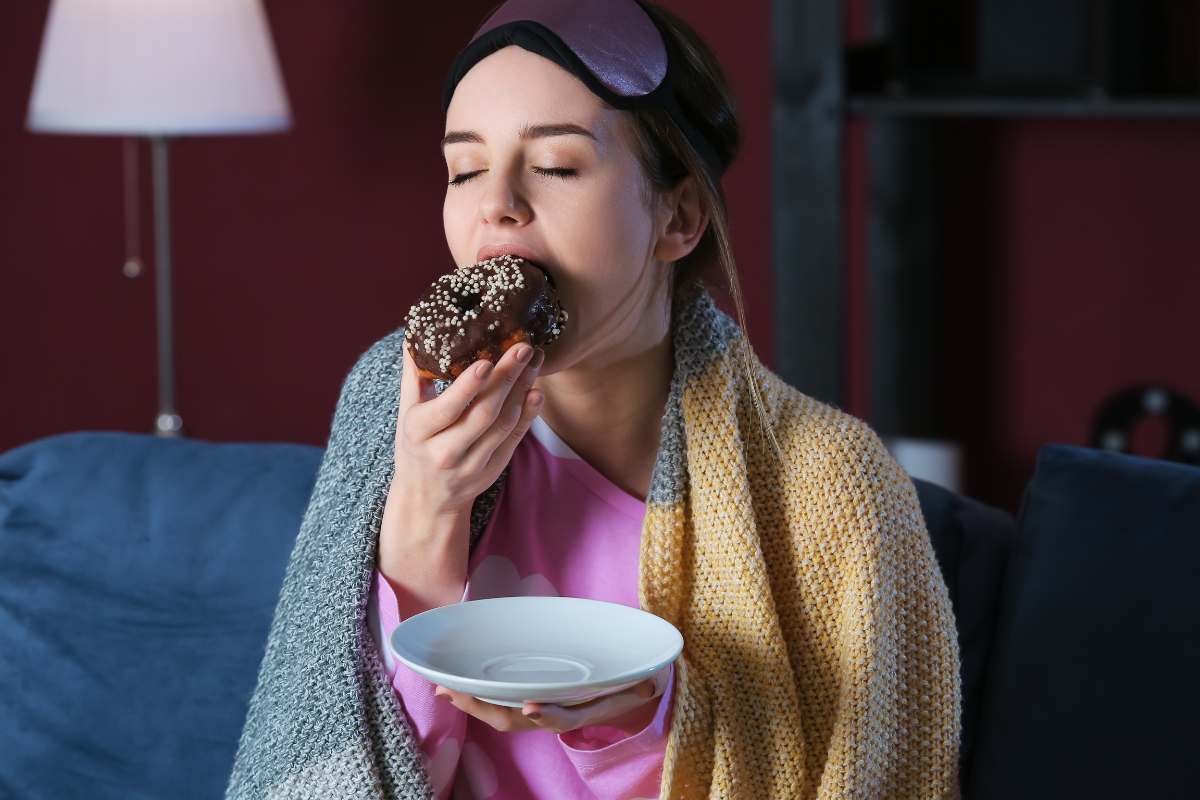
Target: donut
478,312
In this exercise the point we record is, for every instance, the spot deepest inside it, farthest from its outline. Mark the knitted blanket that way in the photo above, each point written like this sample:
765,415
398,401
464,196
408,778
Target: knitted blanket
820,655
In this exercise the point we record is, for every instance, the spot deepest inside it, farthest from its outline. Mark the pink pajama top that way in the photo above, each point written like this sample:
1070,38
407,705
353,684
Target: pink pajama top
564,530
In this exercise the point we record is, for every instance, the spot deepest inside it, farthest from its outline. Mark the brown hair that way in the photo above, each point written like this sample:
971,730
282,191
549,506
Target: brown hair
667,157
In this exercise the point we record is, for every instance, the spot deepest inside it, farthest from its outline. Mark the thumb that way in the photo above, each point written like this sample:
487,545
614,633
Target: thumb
413,388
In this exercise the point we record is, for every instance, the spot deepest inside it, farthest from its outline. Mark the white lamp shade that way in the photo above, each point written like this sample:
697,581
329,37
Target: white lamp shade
157,67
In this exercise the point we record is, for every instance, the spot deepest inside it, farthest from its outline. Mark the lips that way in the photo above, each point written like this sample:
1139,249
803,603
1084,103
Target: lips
489,251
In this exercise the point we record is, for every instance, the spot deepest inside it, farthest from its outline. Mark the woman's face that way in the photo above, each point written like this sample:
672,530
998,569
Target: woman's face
575,202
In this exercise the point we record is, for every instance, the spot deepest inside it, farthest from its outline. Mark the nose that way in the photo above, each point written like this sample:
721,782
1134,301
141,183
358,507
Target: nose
502,201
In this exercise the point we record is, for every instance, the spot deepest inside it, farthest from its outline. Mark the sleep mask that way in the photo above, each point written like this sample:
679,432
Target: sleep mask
613,46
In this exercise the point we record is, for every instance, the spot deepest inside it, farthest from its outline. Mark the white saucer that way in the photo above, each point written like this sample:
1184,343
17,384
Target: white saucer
509,650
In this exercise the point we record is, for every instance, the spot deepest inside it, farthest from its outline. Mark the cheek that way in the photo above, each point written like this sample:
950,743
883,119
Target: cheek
608,232
457,226
604,241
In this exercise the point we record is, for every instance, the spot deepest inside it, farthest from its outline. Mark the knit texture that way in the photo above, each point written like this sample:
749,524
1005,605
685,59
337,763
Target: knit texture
820,656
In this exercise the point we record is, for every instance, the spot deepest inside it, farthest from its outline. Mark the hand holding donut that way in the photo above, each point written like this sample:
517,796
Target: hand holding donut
450,447
478,328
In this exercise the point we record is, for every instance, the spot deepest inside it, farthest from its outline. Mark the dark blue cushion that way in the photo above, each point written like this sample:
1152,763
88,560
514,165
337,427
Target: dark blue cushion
973,543
1092,690
138,579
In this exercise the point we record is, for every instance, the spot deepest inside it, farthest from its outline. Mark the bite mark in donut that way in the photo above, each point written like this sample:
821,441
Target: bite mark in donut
480,311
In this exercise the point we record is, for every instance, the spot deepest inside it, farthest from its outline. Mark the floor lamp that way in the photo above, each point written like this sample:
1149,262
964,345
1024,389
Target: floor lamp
158,70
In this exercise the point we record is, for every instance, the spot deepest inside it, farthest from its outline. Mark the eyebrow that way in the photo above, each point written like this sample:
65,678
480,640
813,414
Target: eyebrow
526,133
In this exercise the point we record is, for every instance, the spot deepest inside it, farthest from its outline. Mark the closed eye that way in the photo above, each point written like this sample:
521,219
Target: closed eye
555,172
459,180
549,172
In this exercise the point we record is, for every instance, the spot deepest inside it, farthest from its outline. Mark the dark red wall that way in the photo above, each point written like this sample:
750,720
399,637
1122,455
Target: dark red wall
1074,271
292,252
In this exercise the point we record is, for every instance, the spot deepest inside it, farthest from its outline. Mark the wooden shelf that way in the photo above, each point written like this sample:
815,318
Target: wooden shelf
1077,107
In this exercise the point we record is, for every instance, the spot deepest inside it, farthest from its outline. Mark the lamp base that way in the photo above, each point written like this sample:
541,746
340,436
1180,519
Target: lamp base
168,425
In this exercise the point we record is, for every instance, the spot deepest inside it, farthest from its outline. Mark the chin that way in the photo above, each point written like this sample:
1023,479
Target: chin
550,362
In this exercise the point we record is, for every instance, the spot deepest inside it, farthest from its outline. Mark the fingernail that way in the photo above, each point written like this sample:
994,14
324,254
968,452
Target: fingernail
483,369
541,356
524,352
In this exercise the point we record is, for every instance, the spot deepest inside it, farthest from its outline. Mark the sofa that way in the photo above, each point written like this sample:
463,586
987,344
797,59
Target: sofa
138,579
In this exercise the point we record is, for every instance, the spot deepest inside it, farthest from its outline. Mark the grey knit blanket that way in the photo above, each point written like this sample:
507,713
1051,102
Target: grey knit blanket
323,721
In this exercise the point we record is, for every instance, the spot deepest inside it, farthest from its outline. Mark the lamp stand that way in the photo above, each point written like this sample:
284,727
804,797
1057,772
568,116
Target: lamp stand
167,423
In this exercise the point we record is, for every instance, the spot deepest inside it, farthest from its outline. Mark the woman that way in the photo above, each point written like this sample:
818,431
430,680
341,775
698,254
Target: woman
650,459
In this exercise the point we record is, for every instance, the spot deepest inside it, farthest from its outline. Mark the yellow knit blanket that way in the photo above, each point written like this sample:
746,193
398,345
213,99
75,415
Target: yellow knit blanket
821,656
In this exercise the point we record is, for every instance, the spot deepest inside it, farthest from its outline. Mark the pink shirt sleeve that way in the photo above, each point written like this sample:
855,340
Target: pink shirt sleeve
440,727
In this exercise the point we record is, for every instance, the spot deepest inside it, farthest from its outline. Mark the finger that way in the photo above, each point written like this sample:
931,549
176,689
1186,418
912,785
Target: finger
502,718
507,379
410,382
492,714
413,388
436,413
502,453
522,405
593,712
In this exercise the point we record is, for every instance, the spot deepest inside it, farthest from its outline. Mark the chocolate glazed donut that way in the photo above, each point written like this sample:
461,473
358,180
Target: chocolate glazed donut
478,312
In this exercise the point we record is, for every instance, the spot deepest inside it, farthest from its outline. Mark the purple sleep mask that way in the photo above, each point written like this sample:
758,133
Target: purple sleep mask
613,46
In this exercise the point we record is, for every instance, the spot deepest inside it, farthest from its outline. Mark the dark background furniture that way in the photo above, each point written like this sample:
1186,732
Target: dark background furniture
138,579
986,205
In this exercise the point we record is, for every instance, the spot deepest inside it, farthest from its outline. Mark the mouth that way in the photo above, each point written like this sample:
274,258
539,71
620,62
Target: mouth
490,251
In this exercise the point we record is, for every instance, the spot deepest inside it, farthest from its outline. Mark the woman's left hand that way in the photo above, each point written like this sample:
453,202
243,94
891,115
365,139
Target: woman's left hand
629,710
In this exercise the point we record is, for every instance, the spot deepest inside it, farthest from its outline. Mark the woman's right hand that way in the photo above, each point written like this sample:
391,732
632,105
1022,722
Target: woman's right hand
449,448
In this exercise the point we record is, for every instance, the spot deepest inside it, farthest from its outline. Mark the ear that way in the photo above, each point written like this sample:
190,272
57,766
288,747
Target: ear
682,220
